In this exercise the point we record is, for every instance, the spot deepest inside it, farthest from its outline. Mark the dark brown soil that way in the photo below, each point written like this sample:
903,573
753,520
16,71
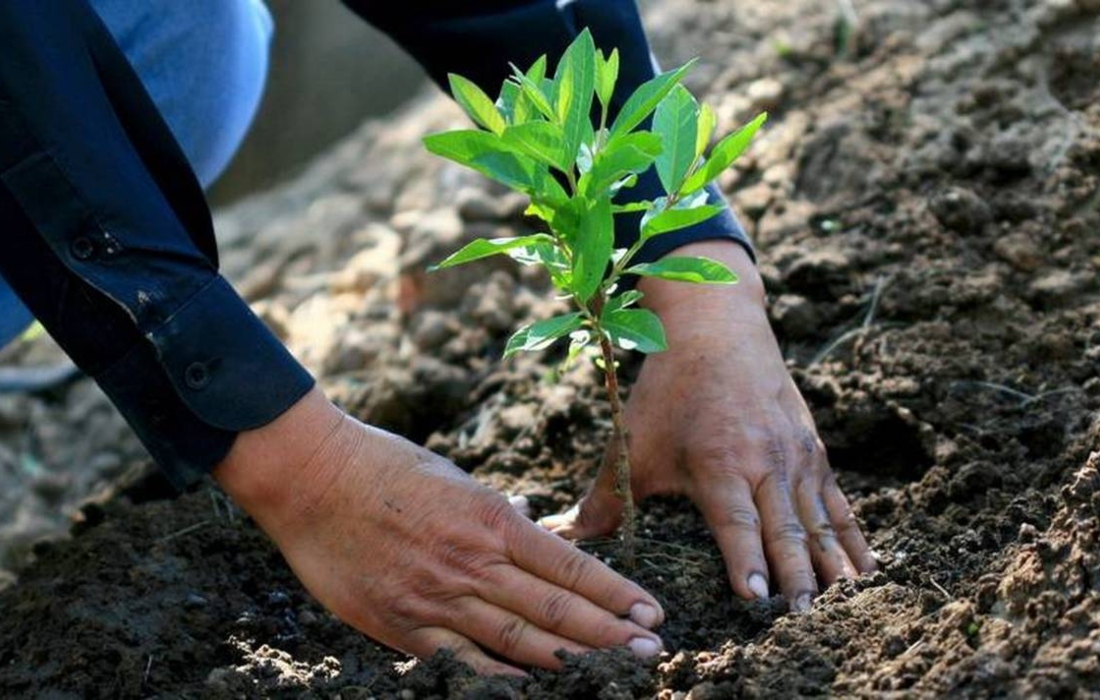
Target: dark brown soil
928,216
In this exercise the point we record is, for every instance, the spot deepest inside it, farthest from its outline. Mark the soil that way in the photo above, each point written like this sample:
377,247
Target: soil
926,201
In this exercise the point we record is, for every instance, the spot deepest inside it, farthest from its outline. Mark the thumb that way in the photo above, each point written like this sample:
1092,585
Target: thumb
599,512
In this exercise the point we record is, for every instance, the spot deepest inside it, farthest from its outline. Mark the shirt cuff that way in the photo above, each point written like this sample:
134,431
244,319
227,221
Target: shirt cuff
209,372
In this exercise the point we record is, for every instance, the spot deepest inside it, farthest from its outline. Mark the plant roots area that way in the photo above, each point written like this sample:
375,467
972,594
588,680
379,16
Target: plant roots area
926,204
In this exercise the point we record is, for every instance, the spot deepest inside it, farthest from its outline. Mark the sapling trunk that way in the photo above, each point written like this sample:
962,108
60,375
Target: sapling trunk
620,448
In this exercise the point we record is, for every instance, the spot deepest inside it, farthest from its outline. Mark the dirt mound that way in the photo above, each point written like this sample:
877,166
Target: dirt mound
928,215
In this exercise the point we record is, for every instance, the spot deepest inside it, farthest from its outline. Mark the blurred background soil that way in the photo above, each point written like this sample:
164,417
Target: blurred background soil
926,203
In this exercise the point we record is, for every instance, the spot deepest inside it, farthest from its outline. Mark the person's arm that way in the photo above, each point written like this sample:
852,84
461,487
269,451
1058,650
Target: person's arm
108,240
739,438
104,234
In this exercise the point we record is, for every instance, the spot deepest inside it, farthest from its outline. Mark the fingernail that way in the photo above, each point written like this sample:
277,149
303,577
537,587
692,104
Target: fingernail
759,586
802,603
522,506
644,647
645,615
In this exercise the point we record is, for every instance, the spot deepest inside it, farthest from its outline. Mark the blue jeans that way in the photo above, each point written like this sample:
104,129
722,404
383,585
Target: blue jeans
204,63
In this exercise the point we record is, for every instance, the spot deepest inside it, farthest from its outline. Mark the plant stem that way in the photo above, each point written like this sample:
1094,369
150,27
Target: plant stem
620,448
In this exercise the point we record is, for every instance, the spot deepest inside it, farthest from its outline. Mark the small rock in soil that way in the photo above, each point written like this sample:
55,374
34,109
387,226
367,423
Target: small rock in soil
961,210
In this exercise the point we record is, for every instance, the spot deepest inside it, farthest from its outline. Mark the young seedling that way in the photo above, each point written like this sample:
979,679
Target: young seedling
539,138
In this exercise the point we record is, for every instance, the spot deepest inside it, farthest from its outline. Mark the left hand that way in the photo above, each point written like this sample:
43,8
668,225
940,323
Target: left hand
718,418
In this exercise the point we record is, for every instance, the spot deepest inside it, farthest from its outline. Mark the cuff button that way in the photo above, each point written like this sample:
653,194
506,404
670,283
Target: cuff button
82,248
196,376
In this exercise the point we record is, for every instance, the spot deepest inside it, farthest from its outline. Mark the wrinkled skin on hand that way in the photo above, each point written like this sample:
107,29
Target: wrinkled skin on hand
407,548
718,418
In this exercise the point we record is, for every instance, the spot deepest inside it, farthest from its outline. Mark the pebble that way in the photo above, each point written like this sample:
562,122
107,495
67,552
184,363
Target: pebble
765,94
1010,155
1019,251
795,316
517,417
442,225
779,175
372,264
1059,286
431,329
475,204
818,269
194,601
755,200
961,210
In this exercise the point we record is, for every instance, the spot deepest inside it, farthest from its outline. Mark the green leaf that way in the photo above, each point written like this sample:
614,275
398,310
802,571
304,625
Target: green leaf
567,220
506,103
708,121
677,122
592,249
646,98
547,254
635,329
540,210
486,247
514,104
607,74
724,154
543,253
676,219
537,72
542,141
524,110
476,103
541,335
531,85
697,270
622,301
548,190
487,154
574,83
632,207
623,184
578,342
632,154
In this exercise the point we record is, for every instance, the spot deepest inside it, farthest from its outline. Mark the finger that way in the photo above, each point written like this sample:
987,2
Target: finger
565,613
599,512
552,559
785,540
731,515
511,636
829,557
847,528
426,641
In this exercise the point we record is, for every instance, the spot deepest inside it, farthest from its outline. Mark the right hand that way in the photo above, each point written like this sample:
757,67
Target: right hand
408,549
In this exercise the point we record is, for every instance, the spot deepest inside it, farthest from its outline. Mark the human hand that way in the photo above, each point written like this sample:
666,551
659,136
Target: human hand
408,549
717,417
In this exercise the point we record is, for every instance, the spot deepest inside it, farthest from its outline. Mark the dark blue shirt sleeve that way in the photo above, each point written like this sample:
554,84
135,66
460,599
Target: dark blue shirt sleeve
108,240
480,39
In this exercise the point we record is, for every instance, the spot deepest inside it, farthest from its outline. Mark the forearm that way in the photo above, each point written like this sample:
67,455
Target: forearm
107,239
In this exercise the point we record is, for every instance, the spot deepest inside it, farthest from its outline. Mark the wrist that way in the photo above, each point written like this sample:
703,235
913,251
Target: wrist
683,304
267,468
